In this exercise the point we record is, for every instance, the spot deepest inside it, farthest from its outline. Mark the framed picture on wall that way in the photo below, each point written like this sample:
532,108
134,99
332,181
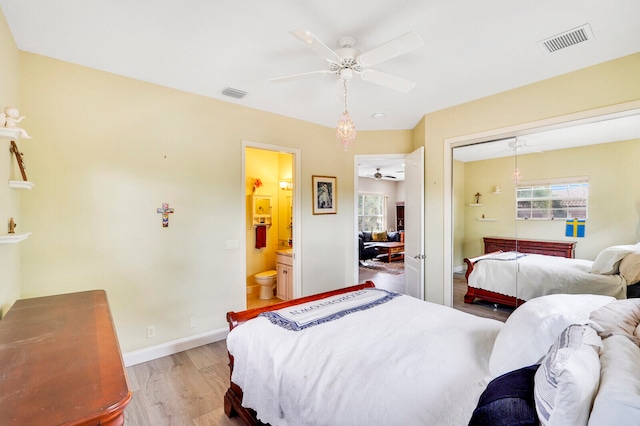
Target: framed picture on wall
325,194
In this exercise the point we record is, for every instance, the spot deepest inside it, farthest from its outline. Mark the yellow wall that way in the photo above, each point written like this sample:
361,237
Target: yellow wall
9,198
609,83
614,196
109,150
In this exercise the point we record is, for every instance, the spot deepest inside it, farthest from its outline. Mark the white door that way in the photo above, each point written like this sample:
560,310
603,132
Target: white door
414,224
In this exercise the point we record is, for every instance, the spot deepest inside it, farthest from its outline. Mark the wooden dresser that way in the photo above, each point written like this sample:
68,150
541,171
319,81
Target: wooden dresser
549,248
60,362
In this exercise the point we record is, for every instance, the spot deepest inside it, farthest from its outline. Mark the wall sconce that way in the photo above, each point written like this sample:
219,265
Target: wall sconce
286,185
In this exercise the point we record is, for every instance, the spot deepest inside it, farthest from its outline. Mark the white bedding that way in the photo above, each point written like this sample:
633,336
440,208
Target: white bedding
536,275
403,362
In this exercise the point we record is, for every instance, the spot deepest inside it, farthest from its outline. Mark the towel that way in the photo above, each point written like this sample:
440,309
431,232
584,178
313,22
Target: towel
261,236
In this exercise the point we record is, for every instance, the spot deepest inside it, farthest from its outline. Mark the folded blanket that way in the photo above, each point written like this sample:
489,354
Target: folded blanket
507,255
308,314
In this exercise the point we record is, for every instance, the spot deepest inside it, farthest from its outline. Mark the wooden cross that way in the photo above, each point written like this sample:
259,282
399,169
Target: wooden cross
165,210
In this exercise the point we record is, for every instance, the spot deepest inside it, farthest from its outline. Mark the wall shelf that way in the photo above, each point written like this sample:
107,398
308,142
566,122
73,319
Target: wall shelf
487,219
474,205
13,238
21,184
10,133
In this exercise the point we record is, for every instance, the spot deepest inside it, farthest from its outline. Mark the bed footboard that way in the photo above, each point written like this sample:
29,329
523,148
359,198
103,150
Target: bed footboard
490,296
233,396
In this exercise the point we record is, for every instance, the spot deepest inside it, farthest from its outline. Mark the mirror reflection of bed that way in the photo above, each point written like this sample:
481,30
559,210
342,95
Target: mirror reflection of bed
603,154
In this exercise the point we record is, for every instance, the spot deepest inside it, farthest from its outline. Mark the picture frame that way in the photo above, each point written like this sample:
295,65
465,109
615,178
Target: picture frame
325,194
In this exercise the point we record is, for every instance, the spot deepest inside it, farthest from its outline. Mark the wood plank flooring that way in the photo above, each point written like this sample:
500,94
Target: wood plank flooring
187,388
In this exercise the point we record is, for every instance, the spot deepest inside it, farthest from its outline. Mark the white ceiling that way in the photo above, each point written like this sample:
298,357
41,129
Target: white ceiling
616,128
472,49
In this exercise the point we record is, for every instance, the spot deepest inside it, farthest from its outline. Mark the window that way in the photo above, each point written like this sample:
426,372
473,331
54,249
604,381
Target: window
565,200
371,212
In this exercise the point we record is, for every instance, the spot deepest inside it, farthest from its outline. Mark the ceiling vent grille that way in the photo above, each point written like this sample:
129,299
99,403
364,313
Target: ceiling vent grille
567,39
234,93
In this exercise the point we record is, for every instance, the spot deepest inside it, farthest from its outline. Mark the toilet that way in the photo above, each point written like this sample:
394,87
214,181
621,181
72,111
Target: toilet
267,281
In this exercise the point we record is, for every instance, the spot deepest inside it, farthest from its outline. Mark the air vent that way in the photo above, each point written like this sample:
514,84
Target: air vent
234,93
567,39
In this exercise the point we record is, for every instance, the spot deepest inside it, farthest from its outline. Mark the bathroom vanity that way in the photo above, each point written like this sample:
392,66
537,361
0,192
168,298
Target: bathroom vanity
284,266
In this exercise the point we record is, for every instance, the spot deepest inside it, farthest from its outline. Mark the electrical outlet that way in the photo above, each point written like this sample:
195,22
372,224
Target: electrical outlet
151,331
192,322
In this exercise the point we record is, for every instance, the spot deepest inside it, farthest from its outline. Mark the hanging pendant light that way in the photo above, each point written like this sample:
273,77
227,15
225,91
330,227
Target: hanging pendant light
345,130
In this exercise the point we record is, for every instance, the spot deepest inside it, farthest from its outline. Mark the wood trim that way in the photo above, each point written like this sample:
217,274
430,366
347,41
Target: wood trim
233,396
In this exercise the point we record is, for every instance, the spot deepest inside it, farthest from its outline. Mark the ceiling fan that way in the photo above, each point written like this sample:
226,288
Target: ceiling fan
347,61
519,145
377,175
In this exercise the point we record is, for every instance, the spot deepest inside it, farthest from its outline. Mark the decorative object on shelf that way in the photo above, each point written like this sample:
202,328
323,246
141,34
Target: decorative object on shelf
478,195
498,190
20,159
257,184
325,194
575,228
10,118
12,226
165,210
345,130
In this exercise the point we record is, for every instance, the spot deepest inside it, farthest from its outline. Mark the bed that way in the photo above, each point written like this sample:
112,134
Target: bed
401,361
511,278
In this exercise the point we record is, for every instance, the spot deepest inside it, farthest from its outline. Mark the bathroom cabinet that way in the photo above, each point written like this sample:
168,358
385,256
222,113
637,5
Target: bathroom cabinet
284,267
261,210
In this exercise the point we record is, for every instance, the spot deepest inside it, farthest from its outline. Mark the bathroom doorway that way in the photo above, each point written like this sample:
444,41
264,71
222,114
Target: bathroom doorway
271,205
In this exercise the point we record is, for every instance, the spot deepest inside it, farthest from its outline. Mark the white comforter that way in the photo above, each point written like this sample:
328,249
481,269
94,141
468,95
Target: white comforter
535,275
405,362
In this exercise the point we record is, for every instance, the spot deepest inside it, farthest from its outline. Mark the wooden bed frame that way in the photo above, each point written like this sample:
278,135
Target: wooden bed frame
487,295
494,245
233,397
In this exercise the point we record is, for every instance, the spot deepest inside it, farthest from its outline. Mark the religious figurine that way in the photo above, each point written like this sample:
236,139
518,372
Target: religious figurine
478,195
12,226
10,118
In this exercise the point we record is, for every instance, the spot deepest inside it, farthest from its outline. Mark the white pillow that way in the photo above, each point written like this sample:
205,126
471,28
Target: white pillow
619,317
618,399
568,378
532,328
630,268
608,260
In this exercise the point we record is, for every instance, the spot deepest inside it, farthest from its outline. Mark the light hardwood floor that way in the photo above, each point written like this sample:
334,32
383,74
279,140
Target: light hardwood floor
187,388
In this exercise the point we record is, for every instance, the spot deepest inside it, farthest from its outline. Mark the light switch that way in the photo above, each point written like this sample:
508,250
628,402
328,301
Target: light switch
233,244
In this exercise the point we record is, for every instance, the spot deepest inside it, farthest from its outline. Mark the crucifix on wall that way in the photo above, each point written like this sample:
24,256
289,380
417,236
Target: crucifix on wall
165,210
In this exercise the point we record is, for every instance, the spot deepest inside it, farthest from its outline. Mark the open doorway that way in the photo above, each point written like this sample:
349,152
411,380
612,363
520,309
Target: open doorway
380,197
272,229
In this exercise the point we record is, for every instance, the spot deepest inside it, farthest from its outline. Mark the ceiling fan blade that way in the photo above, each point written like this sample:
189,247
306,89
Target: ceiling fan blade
396,47
302,75
316,45
386,80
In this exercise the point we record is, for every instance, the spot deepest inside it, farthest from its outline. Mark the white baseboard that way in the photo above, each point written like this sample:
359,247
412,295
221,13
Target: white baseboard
460,268
170,348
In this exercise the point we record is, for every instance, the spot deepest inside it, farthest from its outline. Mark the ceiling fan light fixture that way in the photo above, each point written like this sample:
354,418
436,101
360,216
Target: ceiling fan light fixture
345,130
